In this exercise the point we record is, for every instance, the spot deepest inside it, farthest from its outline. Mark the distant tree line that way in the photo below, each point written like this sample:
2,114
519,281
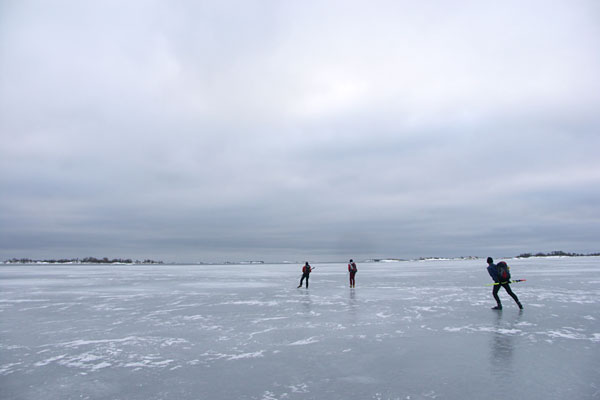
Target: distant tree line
555,254
86,260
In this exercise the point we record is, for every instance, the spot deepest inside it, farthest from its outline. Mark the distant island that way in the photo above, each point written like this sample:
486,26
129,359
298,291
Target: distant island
86,260
557,254
243,262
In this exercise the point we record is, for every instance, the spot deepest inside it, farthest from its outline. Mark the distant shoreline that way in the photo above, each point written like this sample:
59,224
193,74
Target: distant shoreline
556,254
87,260
115,261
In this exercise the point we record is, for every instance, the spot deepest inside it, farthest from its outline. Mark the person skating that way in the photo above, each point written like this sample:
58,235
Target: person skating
494,272
306,270
352,270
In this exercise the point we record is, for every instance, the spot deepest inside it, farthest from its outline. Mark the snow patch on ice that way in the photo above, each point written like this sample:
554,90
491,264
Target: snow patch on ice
212,355
428,309
508,331
100,365
9,368
301,388
172,341
271,303
256,321
150,361
49,360
193,317
569,334
78,343
524,323
267,395
246,355
11,347
83,361
455,329
566,335
470,328
303,342
18,301
252,334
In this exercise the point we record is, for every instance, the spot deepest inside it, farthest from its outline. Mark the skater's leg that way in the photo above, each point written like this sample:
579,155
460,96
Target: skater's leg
512,294
495,294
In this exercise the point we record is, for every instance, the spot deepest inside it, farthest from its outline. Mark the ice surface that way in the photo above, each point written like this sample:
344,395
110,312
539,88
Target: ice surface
410,330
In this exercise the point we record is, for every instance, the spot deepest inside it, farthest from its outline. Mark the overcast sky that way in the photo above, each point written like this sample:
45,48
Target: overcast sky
298,130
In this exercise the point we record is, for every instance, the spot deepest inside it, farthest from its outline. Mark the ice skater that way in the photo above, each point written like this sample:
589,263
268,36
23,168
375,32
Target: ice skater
306,270
352,271
495,273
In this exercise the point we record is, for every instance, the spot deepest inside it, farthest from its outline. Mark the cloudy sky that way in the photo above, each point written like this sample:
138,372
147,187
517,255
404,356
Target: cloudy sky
298,130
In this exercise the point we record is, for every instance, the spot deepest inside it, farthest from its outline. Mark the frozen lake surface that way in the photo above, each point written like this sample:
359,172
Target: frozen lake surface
410,330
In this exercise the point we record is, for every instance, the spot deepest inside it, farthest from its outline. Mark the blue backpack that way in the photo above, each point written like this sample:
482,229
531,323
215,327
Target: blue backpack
503,272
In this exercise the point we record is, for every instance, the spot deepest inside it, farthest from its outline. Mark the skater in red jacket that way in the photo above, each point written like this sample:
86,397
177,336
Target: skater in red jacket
306,270
352,270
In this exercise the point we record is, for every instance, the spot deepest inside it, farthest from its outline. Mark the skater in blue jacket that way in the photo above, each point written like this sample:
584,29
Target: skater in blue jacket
493,271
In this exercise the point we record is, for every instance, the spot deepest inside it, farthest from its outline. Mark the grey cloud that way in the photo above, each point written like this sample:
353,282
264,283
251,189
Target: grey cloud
215,131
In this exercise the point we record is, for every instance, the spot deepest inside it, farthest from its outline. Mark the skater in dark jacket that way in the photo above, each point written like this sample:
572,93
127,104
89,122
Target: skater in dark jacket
306,270
493,271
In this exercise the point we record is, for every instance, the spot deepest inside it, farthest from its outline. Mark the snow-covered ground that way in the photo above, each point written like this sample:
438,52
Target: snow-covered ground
410,330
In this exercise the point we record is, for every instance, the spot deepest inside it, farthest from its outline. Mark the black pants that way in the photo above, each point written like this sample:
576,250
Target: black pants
506,287
302,280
